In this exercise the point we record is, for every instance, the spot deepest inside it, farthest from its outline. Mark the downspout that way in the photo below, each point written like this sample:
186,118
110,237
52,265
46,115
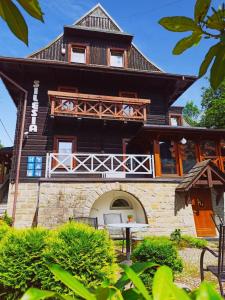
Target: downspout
20,141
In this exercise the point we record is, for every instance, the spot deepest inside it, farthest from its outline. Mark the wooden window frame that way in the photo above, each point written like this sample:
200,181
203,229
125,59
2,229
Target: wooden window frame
122,50
85,46
64,138
178,116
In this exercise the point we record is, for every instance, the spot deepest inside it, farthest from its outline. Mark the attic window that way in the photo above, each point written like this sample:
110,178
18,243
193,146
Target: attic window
78,54
175,120
117,58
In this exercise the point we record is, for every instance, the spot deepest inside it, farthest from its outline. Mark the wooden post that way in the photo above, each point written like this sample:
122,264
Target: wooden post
158,168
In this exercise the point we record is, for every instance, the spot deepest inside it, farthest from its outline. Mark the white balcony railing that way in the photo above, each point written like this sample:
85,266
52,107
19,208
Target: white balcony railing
106,165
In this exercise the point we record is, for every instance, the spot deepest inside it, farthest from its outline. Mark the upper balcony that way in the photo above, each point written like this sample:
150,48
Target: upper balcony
98,106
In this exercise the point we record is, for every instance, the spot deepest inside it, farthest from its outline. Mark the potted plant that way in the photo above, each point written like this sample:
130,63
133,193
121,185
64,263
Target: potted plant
130,218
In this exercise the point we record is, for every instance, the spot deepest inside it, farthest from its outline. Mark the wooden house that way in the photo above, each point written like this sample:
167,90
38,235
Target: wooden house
97,132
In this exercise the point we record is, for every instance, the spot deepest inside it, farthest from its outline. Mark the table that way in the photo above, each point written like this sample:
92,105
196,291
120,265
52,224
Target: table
128,227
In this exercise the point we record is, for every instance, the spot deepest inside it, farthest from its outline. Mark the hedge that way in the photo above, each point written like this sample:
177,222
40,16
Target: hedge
86,253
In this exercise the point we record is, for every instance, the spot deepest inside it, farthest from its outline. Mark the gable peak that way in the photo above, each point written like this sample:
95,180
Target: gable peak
98,18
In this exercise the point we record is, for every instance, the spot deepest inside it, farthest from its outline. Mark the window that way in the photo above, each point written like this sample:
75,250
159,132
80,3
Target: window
78,54
117,58
64,146
128,109
67,104
121,204
175,120
188,155
168,157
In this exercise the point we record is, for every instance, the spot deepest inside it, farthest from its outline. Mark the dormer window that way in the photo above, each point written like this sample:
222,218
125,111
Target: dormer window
116,58
79,54
175,120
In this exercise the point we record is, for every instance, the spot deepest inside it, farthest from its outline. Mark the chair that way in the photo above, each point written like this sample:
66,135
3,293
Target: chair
93,222
115,234
217,220
219,269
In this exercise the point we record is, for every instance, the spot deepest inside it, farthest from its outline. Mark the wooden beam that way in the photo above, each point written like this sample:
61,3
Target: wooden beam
98,97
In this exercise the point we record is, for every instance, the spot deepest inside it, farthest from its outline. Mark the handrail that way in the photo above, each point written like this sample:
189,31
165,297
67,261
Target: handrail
104,164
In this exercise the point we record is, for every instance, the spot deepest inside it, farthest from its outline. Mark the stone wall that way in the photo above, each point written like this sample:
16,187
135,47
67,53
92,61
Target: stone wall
165,211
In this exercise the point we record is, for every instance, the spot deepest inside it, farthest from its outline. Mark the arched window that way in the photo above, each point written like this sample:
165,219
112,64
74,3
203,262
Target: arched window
120,204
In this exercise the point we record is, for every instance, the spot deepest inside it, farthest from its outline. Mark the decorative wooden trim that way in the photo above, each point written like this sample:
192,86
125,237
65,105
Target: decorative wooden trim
158,167
86,46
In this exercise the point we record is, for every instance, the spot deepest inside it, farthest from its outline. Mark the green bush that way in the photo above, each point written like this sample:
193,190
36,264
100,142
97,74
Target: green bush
86,253
20,259
4,229
7,219
158,250
192,242
24,254
176,236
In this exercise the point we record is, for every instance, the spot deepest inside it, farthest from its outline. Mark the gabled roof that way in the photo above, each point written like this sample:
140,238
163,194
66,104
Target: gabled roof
205,170
84,22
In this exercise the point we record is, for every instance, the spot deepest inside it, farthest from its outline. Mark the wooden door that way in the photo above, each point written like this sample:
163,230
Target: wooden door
202,211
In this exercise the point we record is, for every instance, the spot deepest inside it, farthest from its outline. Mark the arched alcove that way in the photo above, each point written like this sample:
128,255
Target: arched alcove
118,202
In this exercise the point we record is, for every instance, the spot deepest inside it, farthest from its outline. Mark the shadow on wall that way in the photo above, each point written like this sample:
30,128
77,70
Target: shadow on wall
180,202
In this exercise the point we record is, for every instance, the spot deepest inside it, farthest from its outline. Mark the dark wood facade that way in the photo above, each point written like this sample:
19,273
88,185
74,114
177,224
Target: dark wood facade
51,66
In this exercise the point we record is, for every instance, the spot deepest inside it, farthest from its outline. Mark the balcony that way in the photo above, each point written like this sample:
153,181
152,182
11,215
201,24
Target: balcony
100,165
97,106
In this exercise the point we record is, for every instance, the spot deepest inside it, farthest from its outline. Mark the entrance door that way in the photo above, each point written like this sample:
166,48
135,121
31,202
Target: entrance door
202,210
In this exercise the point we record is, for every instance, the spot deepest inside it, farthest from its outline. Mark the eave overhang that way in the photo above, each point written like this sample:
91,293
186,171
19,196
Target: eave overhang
149,132
80,31
171,84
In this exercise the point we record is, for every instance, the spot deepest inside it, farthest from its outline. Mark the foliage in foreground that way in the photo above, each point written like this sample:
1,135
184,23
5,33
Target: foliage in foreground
128,287
159,250
11,14
86,253
212,113
7,219
201,26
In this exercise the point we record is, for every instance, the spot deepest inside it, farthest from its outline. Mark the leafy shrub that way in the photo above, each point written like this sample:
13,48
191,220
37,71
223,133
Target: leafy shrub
83,251
24,254
176,236
7,219
159,250
20,259
4,228
163,287
192,242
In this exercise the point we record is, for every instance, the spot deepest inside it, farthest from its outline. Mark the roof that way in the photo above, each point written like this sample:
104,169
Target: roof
109,26
197,172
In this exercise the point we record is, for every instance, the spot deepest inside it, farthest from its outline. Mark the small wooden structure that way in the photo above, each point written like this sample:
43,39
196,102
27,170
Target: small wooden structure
197,185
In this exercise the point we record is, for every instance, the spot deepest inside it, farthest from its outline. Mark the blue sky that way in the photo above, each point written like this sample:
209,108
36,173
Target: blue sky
139,18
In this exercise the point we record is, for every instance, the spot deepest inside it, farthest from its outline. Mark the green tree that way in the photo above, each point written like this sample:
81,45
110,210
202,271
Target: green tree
191,113
1,146
212,113
11,14
213,107
202,26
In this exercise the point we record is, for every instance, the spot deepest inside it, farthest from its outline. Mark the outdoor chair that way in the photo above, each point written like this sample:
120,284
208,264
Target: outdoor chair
93,222
115,234
219,269
217,220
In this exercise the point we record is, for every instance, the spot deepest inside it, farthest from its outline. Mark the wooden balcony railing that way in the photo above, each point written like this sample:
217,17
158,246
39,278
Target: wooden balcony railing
105,165
97,106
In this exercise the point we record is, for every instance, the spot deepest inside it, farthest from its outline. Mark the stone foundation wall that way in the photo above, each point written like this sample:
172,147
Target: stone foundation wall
165,211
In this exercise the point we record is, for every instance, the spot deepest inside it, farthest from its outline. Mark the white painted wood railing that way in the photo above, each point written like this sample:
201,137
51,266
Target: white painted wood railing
107,165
